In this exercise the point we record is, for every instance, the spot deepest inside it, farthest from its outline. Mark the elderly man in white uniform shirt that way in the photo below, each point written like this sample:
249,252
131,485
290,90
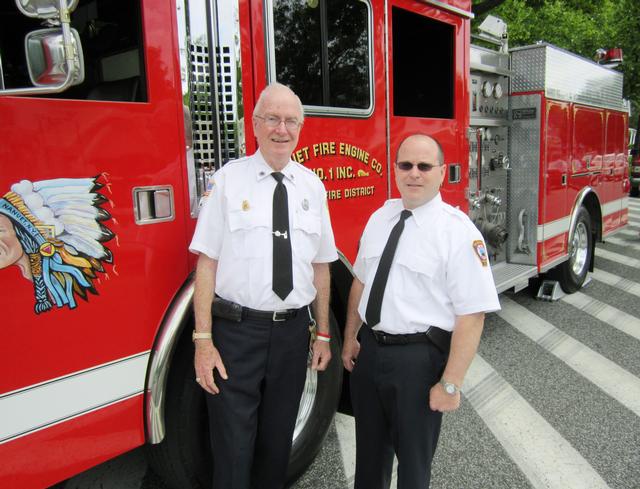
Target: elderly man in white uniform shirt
422,301
264,240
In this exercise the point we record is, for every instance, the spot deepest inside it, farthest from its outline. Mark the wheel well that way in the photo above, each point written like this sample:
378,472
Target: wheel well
173,327
592,204
175,324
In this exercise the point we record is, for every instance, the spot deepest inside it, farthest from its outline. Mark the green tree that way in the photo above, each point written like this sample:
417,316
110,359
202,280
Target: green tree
579,26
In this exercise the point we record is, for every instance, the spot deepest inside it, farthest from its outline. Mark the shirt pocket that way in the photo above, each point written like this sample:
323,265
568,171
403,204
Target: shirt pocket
370,254
250,232
418,273
306,230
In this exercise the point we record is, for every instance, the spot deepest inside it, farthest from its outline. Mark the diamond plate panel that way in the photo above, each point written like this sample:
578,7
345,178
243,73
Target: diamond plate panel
565,76
528,70
524,177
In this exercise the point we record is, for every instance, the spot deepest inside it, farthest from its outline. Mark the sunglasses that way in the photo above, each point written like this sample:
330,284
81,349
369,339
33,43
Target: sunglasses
408,166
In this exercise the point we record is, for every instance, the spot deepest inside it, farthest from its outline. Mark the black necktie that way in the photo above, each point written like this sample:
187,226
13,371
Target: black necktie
282,268
374,305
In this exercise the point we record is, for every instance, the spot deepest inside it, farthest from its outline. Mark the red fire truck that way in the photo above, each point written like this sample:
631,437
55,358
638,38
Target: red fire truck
114,115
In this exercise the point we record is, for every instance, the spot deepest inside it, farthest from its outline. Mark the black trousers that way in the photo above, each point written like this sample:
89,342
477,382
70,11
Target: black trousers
390,397
253,417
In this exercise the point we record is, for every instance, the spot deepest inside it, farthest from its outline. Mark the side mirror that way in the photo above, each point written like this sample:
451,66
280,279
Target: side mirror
45,9
47,61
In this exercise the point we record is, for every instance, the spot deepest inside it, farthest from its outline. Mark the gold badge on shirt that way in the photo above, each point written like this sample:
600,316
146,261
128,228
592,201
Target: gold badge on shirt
245,205
481,251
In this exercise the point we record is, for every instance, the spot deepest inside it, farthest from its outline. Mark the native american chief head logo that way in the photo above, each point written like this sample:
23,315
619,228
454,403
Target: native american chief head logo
52,230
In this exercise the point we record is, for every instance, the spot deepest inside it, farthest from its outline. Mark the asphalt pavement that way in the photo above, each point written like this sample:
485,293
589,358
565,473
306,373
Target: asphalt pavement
552,400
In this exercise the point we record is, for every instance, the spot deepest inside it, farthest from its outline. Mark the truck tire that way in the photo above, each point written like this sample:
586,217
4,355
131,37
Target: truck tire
572,273
317,408
184,461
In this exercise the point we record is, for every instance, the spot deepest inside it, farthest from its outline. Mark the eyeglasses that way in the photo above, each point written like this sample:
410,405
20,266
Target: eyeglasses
408,166
273,121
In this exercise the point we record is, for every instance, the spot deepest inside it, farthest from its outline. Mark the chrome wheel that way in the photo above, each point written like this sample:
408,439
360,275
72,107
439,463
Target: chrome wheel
307,400
579,249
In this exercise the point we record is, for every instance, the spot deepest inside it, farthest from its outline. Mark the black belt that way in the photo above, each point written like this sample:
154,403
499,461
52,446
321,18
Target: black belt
439,337
248,313
232,311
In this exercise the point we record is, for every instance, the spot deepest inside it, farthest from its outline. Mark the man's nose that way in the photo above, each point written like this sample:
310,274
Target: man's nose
282,126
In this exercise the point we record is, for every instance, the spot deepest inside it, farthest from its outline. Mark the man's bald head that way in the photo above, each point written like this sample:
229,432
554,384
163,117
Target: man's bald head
276,89
427,140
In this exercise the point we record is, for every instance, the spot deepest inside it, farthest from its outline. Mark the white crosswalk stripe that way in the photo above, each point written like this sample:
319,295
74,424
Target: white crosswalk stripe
618,258
543,455
588,363
616,281
628,232
634,245
607,314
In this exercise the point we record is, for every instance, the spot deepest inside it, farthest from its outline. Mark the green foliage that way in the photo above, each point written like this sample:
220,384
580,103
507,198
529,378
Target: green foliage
580,26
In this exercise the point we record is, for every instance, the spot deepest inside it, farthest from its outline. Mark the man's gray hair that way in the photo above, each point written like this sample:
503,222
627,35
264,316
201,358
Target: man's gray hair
277,87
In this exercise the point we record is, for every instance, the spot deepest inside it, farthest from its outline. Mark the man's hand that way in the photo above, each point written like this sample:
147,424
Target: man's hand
350,352
321,355
439,400
207,359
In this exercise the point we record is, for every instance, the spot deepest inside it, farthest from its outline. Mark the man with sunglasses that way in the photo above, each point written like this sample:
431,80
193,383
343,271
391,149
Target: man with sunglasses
264,241
422,286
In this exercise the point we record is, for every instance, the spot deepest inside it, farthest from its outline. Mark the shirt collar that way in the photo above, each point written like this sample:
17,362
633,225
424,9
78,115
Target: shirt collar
420,214
263,170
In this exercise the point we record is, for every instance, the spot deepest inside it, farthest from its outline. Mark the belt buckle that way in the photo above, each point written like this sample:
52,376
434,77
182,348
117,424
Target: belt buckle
274,317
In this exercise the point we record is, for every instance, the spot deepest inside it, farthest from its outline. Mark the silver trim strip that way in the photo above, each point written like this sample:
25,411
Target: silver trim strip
162,353
73,395
614,206
552,229
559,226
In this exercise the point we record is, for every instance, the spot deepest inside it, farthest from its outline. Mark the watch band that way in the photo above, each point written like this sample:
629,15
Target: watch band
200,336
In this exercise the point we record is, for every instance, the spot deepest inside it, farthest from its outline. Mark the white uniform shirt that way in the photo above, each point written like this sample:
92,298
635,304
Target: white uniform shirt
235,228
440,269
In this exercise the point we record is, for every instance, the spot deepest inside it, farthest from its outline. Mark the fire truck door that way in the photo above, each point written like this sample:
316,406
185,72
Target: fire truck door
557,153
91,192
428,76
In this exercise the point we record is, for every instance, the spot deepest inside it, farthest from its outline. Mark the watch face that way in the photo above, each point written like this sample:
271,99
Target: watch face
450,388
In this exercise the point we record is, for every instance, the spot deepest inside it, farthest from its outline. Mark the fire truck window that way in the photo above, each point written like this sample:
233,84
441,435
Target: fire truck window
423,63
322,51
111,35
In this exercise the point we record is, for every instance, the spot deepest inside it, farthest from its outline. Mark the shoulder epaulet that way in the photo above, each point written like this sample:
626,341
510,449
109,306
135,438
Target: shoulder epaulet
303,168
389,202
458,215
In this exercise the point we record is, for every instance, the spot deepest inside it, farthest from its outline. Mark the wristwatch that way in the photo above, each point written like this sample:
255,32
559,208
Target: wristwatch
449,387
